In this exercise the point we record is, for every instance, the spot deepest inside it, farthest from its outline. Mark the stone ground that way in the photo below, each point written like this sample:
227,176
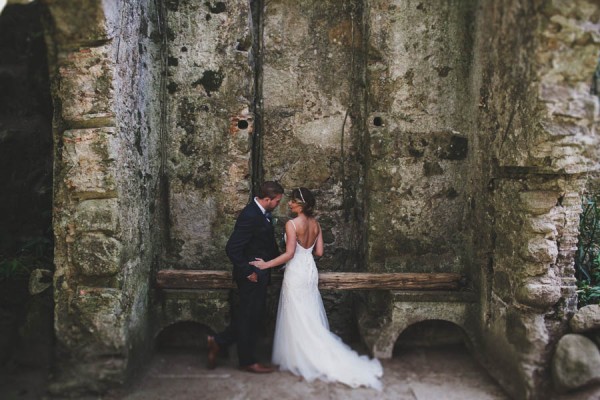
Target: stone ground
417,374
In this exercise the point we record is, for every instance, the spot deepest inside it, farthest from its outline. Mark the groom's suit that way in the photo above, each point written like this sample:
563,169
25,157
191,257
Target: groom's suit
253,237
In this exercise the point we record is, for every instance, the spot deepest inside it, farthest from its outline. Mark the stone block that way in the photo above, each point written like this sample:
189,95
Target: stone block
586,319
97,215
541,225
88,156
538,202
86,86
96,254
39,281
539,249
527,332
77,21
101,314
538,295
535,269
576,363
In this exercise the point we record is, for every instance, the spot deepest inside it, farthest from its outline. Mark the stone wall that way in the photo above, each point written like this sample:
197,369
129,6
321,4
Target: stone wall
105,70
447,138
210,126
419,65
536,139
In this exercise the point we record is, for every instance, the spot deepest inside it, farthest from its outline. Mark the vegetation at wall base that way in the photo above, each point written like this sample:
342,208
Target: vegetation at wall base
587,260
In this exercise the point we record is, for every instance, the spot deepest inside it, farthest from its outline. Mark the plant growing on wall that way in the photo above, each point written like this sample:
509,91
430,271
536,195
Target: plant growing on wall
587,260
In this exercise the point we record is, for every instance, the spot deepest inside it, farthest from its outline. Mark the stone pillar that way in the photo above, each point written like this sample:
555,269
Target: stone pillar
106,187
540,118
210,103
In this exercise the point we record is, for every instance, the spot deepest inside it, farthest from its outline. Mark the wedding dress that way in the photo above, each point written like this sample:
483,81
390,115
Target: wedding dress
303,343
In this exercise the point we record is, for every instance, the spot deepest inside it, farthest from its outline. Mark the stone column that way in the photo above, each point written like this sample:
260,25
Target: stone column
535,105
106,185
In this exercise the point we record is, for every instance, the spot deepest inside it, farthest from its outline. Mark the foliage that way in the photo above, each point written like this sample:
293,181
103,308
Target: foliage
587,260
34,253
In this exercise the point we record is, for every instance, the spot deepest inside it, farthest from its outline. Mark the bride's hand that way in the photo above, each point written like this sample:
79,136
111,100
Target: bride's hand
259,263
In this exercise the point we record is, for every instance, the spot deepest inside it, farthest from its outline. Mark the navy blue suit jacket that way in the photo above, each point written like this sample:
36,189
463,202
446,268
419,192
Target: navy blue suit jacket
253,237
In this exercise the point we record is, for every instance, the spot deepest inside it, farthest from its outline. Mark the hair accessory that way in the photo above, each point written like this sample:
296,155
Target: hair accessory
300,191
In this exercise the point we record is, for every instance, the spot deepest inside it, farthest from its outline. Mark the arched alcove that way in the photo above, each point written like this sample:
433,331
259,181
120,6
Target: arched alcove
431,333
182,336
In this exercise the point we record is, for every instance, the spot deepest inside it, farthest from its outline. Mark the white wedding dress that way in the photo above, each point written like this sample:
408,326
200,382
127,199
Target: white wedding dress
303,343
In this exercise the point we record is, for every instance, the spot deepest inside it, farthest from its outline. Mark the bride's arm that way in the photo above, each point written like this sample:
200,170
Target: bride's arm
318,250
290,248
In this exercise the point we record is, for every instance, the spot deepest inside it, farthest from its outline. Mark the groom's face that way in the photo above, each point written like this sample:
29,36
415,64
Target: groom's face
273,203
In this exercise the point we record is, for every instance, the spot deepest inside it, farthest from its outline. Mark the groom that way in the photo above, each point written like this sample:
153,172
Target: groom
253,237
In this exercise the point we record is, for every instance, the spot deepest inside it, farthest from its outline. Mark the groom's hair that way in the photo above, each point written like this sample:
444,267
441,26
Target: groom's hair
269,189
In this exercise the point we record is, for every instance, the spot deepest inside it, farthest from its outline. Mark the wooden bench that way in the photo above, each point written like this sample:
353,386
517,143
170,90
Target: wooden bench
391,301
202,279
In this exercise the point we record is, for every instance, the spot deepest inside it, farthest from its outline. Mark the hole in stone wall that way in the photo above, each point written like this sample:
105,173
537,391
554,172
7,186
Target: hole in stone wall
378,121
242,124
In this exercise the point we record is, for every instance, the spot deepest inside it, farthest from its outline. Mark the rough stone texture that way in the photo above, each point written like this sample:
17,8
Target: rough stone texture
313,118
418,78
210,88
397,310
576,363
538,123
586,319
452,137
208,307
88,159
106,78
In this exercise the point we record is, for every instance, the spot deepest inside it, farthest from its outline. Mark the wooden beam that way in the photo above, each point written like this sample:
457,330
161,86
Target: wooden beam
202,279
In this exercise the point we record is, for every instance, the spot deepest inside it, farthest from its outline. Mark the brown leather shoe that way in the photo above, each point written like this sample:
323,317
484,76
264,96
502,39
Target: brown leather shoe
257,368
213,352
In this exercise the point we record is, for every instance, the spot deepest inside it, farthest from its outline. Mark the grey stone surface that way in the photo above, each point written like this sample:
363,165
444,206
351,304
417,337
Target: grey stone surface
39,281
576,363
586,319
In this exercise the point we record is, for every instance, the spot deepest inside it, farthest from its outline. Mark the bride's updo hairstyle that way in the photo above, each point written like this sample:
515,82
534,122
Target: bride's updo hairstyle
305,199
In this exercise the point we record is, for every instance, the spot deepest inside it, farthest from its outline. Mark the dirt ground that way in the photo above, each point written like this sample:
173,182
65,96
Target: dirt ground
442,373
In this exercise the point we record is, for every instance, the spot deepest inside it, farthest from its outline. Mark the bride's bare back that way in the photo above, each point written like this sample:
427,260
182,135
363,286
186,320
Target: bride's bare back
307,230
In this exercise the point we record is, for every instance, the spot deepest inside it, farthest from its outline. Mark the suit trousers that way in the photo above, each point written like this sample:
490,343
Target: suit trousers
243,329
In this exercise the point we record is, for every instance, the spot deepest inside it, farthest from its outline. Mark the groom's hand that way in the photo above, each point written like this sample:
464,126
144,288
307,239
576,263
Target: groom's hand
253,277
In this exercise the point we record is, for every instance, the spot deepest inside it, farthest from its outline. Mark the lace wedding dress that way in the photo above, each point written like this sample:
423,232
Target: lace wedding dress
303,343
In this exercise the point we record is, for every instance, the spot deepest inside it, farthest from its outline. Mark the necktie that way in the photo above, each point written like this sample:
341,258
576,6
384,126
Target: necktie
268,216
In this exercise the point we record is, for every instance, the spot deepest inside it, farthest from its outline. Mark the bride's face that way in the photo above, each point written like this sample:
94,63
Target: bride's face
295,208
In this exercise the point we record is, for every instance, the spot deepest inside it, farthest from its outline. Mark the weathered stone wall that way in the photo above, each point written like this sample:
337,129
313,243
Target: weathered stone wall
312,66
420,56
210,125
536,124
107,133
446,138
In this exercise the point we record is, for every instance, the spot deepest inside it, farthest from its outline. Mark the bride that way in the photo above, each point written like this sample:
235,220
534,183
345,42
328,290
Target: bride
303,343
